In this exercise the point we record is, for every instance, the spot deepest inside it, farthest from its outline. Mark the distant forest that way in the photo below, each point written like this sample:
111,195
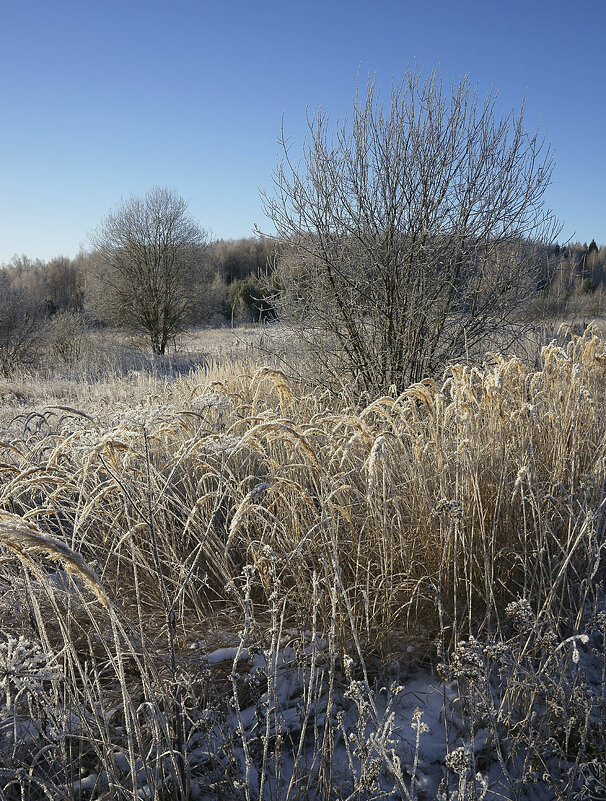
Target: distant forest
229,273
234,275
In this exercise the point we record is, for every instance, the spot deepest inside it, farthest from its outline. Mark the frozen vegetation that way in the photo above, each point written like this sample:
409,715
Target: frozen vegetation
236,586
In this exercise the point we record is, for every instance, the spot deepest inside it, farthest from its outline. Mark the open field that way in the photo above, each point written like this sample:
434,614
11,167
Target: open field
224,583
110,370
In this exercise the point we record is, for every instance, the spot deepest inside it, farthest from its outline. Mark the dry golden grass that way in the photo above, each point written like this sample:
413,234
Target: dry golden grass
234,504
114,371
436,501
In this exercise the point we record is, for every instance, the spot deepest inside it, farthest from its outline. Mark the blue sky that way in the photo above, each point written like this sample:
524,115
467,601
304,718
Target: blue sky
101,100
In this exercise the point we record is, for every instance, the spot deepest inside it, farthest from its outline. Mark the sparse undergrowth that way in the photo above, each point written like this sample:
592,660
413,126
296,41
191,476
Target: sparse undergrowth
273,570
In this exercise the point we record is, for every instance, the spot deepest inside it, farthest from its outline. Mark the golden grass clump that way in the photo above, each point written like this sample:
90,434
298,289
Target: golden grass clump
450,500
321,537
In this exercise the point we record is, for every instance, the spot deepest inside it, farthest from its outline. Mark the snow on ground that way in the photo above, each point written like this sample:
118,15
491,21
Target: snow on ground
275,713
409,740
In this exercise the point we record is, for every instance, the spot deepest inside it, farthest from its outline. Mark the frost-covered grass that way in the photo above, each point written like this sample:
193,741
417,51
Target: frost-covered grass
235,586
103,370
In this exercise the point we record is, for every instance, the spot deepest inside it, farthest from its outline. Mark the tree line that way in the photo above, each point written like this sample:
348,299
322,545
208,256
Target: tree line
228,269
232,271
46,306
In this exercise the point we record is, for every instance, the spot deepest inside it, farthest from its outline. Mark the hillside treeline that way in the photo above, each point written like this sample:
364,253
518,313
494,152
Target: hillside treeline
47,306
233,285
577,269
229,275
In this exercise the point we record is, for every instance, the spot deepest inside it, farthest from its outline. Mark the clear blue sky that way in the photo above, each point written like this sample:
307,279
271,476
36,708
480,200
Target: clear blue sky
103,99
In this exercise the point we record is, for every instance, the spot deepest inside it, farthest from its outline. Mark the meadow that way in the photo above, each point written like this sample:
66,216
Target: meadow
221,580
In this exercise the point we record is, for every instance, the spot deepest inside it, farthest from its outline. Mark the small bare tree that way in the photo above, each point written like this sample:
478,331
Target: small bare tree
148,253
411,234
21,327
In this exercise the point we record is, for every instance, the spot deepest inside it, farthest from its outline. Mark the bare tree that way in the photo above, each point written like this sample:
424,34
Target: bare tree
148,253
411,234
21,327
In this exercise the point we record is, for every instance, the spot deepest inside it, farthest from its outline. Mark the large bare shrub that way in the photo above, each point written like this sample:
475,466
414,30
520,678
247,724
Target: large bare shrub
411,231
